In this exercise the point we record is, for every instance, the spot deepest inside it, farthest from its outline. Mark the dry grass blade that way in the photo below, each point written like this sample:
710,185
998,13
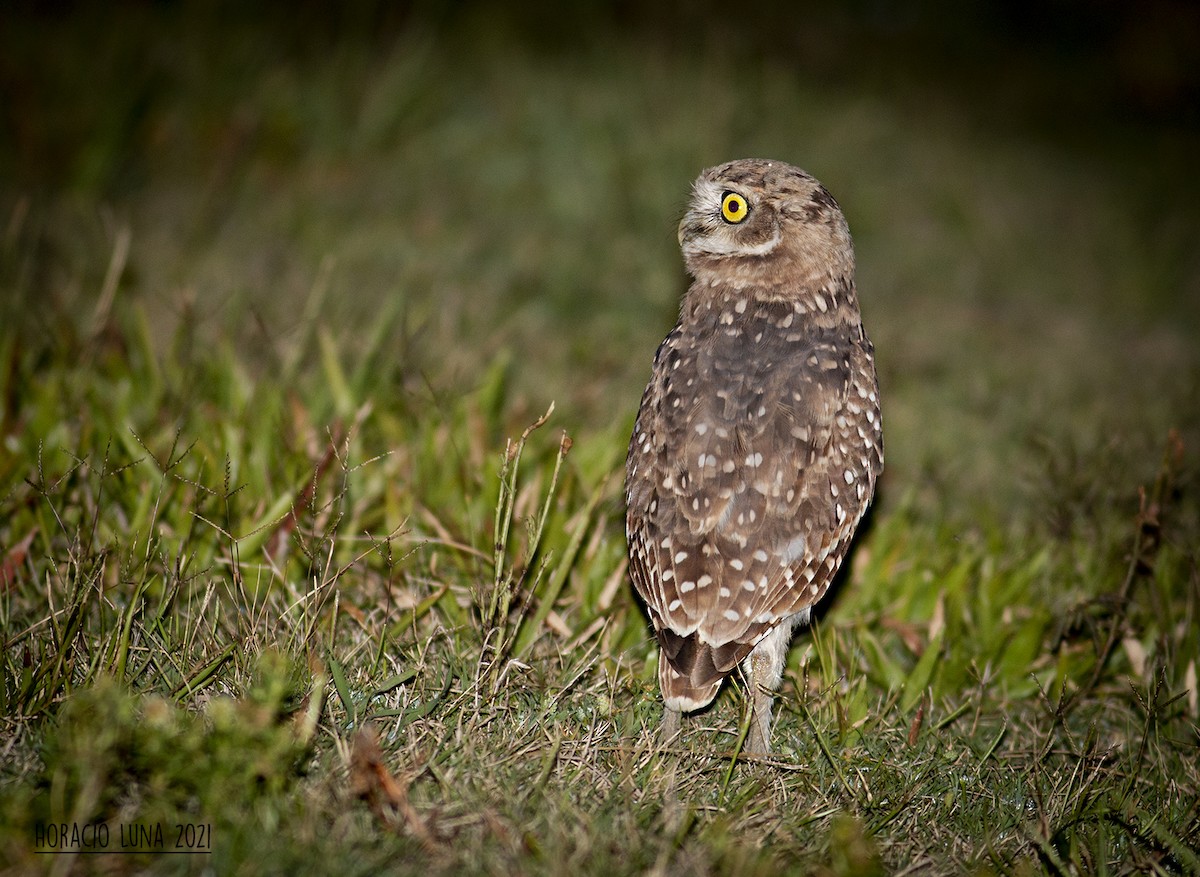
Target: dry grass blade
372,782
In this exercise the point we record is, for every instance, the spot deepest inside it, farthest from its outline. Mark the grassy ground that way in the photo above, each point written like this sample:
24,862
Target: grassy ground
285,560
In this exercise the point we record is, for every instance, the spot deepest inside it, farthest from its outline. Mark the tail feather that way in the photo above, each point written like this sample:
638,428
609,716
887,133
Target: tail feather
690,671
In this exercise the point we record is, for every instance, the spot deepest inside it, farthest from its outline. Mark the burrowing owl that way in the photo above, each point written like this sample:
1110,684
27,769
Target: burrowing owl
758,441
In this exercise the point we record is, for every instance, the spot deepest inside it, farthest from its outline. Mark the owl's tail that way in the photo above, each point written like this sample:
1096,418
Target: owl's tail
690,671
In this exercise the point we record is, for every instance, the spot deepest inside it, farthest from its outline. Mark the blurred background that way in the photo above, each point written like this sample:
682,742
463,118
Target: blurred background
498,187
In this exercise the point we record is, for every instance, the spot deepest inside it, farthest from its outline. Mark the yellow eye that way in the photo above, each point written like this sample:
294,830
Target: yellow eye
734,207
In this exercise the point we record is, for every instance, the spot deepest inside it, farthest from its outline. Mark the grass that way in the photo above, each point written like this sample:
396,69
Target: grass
318,369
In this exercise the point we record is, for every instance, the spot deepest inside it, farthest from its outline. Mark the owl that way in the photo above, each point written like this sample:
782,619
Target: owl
758,442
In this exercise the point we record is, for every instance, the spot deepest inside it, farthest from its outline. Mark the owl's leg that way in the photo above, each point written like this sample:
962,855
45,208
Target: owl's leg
764,671
670,724
758,741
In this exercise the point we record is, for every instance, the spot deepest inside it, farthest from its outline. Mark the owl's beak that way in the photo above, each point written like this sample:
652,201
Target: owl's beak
692,226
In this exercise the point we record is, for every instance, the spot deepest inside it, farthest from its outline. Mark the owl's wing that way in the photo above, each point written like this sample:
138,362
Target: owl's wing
734,510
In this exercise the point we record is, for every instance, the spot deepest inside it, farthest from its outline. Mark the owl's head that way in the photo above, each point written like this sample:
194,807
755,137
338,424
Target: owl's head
763,222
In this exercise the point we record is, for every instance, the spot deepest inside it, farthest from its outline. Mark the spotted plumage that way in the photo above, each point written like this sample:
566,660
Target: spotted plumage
758,442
